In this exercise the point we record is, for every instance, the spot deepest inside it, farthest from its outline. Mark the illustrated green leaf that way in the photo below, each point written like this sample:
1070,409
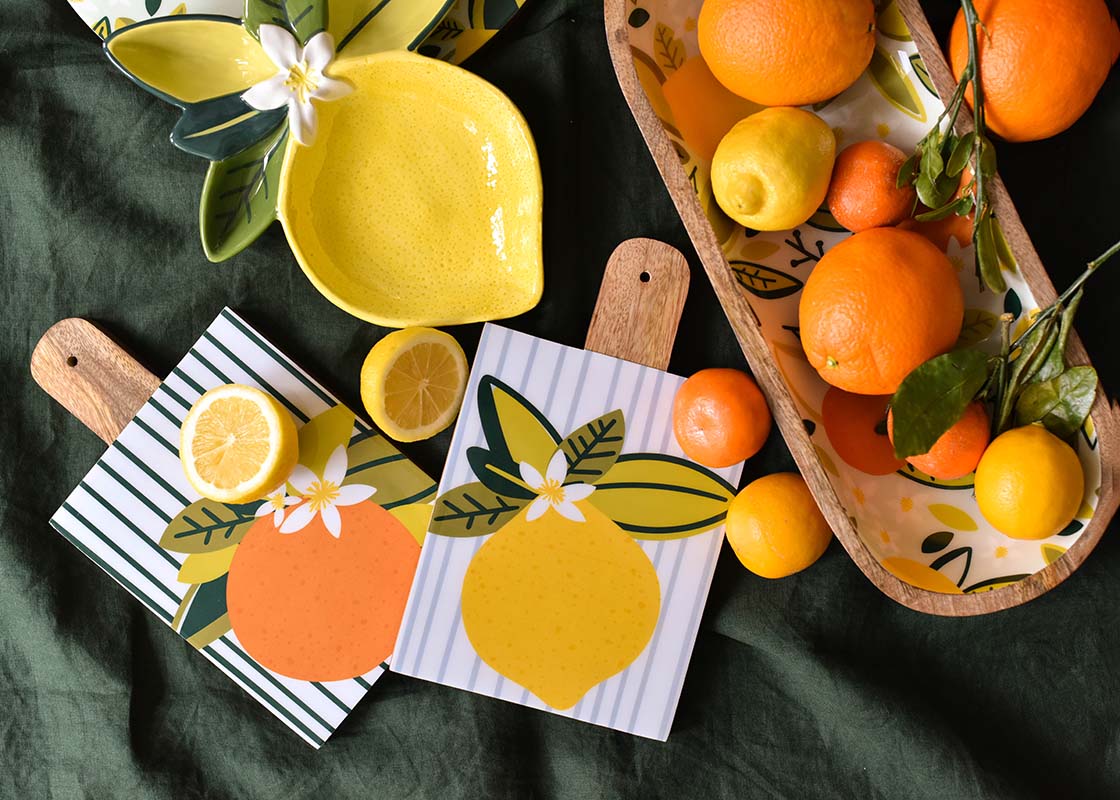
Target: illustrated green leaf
473,510
202,617
1062,404
152,6
207,525
652,496
592,449
206,567
920,70
497,475
893,84
978,325
822,219
933,397
514,429
670,49
1012,304
891,24
223,127
1055,362
304,18
239,197
322,435
937,541
952,516
374,461
763,281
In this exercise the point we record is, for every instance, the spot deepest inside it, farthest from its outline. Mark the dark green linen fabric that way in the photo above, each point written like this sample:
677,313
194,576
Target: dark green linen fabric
813,686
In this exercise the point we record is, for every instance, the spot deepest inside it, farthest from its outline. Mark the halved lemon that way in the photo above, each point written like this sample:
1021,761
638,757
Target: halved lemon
413,382
237,444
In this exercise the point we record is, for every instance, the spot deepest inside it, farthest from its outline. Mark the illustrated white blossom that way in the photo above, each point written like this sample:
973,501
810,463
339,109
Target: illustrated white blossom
551,491
276,503
324,495
301,78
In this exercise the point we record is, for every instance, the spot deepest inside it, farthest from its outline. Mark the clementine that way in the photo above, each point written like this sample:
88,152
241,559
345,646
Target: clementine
318,608
863,192
720,417
876,306
959,449
856,428
787,52
1041,62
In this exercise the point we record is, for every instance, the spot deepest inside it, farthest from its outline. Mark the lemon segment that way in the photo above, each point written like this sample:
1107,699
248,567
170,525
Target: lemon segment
237,443
771,171
413,383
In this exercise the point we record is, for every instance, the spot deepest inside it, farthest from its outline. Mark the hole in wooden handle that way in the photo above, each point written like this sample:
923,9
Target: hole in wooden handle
72,361
644,277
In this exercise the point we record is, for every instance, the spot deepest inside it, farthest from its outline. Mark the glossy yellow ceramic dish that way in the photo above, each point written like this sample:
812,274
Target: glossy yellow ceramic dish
419,202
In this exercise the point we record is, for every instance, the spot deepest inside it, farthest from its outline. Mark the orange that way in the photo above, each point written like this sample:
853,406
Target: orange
876,306
787,52
720,417
702,107
775,527
863,193
856,427
318,608
959,449
1041,62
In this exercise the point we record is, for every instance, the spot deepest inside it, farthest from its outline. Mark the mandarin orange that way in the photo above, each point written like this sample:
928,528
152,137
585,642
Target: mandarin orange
856,427
876,306
1041,62
959,449
863,192
787,52
720,417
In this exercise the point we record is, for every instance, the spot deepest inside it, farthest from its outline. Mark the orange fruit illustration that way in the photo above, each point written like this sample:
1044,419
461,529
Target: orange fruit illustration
703,108
315,607
787,52
863,193
876,306
1041,62
959,449
720,417
856,427
775,527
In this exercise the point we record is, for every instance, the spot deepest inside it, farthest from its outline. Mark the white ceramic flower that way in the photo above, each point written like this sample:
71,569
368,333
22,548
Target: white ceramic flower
301,78
276,503
324,495
551,491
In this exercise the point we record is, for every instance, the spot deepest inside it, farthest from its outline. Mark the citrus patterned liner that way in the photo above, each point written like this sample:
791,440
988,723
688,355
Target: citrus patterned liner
928,533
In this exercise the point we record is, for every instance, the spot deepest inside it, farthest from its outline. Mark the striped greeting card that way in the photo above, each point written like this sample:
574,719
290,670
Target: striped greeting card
572,545
300,609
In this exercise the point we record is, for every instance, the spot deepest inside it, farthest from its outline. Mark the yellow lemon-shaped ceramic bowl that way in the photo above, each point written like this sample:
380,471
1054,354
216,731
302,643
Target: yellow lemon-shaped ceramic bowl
419,202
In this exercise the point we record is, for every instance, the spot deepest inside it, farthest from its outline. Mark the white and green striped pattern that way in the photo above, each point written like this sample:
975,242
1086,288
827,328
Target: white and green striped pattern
117,514
570,387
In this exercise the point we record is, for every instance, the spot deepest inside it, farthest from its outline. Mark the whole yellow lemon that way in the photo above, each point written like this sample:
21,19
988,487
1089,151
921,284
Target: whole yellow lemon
775,527
771,171
1029,483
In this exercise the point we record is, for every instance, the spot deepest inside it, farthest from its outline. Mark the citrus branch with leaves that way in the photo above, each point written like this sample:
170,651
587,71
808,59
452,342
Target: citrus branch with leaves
935,168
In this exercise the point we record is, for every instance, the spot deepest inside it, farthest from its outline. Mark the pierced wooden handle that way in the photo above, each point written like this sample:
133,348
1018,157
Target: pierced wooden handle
91,376
640,303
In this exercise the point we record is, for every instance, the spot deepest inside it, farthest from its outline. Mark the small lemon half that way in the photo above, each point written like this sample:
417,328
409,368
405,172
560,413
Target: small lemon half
237,443
413,383
771,171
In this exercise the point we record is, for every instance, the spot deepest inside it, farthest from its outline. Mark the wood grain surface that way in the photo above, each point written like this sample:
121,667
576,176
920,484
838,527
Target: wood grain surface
640,303
757,353
91,376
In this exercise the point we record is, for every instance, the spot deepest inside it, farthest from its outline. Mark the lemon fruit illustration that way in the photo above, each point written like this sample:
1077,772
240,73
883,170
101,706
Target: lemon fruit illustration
558,605
561,596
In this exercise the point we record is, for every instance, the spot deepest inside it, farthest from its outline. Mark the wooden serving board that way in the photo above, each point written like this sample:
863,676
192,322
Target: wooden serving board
759,355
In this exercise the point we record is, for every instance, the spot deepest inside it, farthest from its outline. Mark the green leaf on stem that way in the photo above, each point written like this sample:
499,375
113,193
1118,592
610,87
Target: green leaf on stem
987,157
1003,249
987,259
958,159
933,397
906,172
1055,361
961,207
1062,404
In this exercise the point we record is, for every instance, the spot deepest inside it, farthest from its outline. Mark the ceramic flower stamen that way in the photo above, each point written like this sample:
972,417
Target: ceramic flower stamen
301,79
323,495
276,503
551,491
